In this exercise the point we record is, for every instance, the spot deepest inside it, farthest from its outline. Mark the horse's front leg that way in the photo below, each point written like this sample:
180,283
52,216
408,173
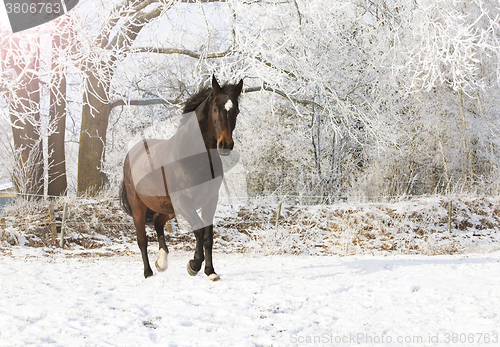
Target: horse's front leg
194,265
203,231
208,213
207,245
203,252
189,213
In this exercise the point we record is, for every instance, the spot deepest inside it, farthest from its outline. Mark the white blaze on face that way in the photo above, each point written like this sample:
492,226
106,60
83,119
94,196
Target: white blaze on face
229,105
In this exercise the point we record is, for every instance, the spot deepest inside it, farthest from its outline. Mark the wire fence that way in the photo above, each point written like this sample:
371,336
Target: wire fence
97,214
372,191
81,217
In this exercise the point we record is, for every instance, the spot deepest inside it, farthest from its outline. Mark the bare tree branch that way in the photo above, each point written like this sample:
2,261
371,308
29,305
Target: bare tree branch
142,102
303,102
189,53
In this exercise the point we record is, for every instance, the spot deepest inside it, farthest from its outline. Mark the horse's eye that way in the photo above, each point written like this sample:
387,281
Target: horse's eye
214,109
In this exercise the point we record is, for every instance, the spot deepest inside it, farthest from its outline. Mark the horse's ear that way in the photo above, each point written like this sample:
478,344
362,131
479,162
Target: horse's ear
215,85
239,87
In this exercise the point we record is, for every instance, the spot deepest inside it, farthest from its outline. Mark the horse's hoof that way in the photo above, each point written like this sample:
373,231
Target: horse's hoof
214,277
148,273
191,272
162,261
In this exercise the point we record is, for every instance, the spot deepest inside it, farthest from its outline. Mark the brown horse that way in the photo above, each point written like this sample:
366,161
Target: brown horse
162,178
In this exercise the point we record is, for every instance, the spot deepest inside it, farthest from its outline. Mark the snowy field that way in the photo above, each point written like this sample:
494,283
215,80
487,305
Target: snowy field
61,299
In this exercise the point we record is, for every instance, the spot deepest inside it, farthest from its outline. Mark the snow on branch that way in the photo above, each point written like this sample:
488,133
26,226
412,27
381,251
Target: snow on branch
187,52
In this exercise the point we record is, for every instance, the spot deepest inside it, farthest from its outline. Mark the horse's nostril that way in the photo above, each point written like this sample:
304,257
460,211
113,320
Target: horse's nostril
222,144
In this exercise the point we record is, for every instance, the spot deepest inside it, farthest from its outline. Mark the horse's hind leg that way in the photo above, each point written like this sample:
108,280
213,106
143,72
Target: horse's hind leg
137,209
139,216
162,261
142,239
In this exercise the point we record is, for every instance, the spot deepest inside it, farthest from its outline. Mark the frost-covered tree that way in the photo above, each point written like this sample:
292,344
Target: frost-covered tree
21,91
341,97
444,58
33,85
104,53
339,101
404,88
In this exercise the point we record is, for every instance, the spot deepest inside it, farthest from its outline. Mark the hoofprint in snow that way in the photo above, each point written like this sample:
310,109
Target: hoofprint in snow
281,300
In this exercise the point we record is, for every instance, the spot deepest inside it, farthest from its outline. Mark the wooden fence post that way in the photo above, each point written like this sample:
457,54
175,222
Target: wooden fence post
450,210
63,224
2,224
278,215
52,221
168,226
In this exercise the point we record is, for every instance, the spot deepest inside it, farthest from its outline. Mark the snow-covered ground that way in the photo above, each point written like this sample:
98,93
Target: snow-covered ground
374,274
62,299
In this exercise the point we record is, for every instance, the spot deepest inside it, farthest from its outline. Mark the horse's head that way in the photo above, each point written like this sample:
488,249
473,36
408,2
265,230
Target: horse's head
223,110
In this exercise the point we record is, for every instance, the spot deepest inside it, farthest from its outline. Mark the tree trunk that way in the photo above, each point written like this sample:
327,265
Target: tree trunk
95,116
57,114
96,103
24,110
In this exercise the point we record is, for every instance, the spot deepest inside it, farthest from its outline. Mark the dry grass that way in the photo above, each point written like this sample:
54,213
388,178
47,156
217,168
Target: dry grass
418,226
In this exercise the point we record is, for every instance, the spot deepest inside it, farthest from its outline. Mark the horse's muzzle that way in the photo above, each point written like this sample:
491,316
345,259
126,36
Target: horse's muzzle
224,148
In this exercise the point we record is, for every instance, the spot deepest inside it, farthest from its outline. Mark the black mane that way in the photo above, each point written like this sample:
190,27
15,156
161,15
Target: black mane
194,101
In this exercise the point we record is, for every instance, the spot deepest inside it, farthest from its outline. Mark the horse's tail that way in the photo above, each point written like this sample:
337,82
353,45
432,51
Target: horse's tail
124,200
150,214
